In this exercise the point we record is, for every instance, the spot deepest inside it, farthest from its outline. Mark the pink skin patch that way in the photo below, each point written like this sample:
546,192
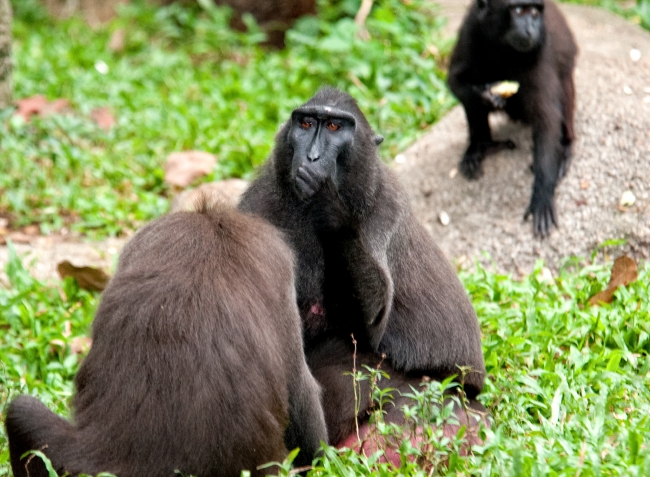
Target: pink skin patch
317,309
372,443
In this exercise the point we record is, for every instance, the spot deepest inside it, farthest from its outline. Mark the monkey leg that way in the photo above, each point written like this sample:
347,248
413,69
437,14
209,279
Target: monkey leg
481,143
368,440
568,132
32,426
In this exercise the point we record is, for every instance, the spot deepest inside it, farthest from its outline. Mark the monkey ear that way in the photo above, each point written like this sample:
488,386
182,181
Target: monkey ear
378,139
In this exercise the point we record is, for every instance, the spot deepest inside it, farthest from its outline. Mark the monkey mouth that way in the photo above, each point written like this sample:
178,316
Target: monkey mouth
524,44
307,182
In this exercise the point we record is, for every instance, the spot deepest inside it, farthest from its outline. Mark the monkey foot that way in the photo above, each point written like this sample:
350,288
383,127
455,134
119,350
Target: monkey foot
470,167
544,218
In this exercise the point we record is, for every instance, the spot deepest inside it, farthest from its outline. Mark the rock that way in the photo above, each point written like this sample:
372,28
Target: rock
228,192
183,168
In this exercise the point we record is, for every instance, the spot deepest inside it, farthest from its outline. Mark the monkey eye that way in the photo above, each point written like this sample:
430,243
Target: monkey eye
534,12
333,126
519,11
305,124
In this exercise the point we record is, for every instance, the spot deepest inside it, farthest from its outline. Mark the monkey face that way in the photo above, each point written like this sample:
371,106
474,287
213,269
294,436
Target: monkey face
320,137
526,25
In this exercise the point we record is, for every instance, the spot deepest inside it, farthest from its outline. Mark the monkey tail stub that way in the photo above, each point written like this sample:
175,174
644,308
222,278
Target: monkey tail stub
33,427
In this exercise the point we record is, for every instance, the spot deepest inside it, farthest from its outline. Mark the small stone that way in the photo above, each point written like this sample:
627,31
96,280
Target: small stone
453,173
101,67
444,218
545,275
627,199
646,90
635,55
400,159
627,89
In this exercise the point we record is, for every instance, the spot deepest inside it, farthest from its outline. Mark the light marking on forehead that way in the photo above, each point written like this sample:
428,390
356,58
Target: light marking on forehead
328,109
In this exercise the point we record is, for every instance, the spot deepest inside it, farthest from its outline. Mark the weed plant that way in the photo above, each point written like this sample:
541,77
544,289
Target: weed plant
568,384
184,80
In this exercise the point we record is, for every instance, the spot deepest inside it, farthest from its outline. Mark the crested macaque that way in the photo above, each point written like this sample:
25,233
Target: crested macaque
365,266
527,42
197,363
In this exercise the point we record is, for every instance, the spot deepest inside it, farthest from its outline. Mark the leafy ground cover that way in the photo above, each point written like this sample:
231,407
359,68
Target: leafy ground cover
638,11
568,386
183,80
180,80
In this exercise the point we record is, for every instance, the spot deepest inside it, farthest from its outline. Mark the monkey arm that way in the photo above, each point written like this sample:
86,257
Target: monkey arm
366,254
367,265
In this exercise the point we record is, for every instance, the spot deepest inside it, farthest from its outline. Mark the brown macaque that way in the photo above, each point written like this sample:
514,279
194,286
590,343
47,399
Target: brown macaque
197,362
526,42
365,266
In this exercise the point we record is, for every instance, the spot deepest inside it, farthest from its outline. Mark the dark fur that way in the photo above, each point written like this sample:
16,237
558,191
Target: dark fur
365,261
332,363
546,98
196,362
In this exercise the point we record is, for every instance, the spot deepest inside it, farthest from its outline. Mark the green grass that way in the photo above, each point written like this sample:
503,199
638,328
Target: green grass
186,81
568,385
636,11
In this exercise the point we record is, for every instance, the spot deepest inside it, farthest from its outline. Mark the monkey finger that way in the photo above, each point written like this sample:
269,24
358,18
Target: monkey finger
471,168
308,177
306,189
554,216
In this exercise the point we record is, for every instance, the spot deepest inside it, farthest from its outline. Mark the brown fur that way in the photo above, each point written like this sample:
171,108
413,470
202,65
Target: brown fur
196,363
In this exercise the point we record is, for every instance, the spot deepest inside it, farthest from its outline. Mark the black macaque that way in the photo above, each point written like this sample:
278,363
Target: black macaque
364,263
529,42
197,361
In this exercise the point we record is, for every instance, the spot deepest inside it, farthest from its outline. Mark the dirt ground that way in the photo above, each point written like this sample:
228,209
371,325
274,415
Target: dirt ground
612,156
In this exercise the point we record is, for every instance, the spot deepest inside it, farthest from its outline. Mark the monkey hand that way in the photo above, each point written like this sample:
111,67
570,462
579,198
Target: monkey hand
470,167
542,208
494,101
309,180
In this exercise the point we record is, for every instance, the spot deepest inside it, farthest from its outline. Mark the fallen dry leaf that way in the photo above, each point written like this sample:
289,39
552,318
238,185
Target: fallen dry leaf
624,272
182,168
16,237
32,230
117,41
39,105
78,344
88,278
103,118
